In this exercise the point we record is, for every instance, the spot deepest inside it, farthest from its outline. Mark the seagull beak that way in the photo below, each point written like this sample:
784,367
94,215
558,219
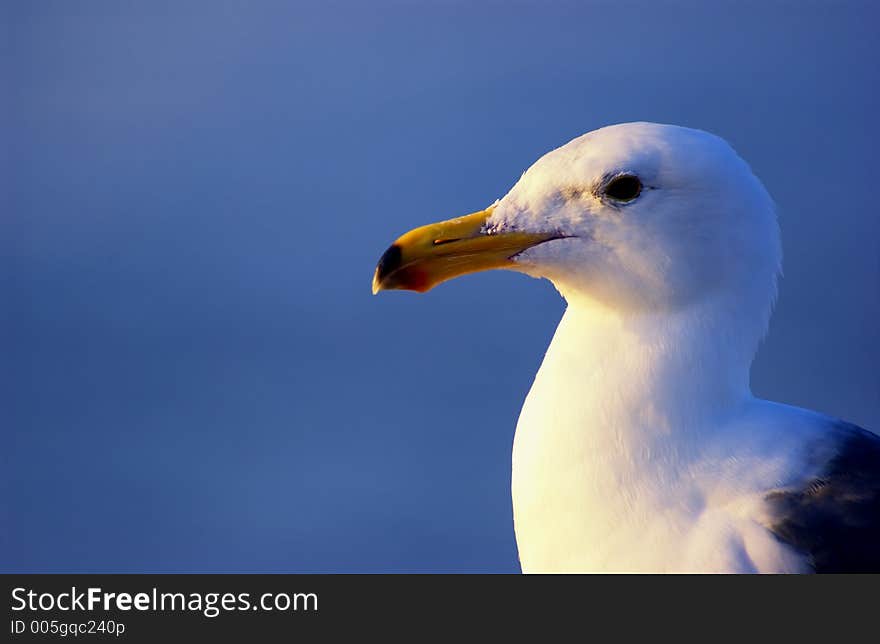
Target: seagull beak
427,256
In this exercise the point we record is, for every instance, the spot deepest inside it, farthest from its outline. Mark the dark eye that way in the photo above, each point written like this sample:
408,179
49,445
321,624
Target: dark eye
626,187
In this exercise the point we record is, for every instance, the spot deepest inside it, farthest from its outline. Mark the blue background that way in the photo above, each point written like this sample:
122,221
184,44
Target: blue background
195,376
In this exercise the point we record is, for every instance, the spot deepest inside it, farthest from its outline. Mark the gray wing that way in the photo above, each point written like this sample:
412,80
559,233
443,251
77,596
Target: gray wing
835,519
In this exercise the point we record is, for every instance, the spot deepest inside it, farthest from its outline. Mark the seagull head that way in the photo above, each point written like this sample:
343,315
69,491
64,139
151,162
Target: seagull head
637,217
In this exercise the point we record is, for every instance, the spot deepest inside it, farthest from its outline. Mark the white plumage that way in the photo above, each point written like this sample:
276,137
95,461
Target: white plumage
640,447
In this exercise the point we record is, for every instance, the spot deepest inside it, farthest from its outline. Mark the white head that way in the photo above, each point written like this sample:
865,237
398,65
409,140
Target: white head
638,218
653,217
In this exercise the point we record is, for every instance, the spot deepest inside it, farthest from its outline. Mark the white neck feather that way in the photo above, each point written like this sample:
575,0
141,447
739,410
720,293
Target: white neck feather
651,376
614,416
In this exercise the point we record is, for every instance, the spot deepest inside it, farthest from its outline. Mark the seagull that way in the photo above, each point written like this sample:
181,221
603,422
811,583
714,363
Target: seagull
640,447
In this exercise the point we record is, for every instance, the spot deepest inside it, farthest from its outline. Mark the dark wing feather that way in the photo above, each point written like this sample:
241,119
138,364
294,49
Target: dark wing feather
835,519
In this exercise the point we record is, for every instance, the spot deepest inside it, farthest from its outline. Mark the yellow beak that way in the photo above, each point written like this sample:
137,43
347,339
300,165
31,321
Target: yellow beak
427,256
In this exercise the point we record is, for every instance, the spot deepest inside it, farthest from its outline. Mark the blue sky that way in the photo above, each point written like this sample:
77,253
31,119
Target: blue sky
196,376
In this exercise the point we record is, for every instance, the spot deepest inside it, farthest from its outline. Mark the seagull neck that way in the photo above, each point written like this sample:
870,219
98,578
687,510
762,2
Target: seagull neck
663,373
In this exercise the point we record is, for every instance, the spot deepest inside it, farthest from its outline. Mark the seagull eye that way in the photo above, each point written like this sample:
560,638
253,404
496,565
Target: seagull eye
626,187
